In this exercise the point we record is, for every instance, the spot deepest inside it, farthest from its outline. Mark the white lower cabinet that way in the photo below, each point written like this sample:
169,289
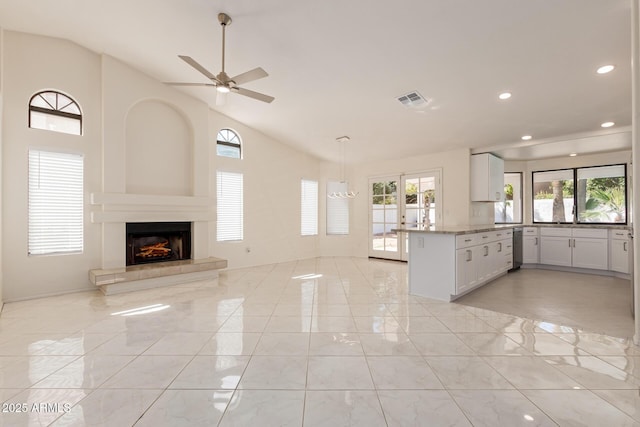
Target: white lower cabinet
620,251
481,257
530,246
578,247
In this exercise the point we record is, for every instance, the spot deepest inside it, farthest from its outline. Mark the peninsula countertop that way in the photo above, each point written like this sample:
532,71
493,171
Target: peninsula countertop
482,228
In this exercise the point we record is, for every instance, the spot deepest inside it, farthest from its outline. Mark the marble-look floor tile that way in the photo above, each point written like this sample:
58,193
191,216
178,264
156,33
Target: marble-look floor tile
530,372
275,373
460,324
421,325
187,408
578,408
211,372
324,309
244,324
343,407
283,344
335,344
402,373
601,345
86,372
377,324
440,345
179,343
499,408
27,371
264,408
338,373
293,309
467,372
333,324
545,344
421,408
506,323
628,401
389,344
594,373
365,309
120,407
231,344
128,343
289,324
410,310
148,372
492,344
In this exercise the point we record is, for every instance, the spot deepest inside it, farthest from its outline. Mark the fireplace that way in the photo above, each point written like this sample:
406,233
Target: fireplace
158,242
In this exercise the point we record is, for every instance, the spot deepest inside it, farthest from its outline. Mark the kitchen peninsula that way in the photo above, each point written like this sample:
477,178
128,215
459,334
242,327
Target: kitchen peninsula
447,262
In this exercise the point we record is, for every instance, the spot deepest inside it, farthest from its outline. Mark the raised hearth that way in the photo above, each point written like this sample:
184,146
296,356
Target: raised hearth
147,276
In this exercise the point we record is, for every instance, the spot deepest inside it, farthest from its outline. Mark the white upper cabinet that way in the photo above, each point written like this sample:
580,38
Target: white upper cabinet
487,178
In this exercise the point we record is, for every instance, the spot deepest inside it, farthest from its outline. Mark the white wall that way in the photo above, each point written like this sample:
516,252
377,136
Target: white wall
271,172
31,64
457,209
1,150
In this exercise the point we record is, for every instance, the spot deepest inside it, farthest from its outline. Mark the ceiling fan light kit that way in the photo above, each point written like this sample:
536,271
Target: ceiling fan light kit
222,82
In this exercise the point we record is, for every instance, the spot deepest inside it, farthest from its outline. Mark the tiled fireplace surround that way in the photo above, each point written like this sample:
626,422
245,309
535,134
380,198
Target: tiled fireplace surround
114,211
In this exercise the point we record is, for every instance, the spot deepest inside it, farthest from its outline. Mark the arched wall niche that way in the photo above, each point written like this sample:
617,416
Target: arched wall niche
159,150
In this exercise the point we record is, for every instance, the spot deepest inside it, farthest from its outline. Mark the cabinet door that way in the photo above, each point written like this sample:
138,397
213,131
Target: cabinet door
530,249
555,250
590,253
465,270
620,256
482,258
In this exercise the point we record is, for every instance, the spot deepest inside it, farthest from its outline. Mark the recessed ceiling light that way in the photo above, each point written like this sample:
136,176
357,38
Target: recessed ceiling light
526,137
607,124
605,69
505,95
573,155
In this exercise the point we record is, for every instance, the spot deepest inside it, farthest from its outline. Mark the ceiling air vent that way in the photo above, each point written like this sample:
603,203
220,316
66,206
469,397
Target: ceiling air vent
413,100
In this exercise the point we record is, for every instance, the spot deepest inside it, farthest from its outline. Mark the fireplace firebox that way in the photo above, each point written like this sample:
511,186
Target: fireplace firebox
158,242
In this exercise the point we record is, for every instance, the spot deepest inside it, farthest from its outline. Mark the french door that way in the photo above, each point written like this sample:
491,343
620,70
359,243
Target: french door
401,201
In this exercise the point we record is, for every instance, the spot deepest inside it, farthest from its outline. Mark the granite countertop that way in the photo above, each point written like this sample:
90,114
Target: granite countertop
481,228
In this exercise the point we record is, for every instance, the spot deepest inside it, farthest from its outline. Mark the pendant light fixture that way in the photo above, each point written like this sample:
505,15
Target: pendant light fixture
347,194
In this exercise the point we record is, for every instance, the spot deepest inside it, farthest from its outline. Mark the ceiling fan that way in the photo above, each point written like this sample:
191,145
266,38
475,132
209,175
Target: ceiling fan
222,82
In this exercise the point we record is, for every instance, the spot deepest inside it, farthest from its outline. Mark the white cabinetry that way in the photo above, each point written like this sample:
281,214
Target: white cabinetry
480,257
487,178
590,248
530,245
555,246
619,251
582,248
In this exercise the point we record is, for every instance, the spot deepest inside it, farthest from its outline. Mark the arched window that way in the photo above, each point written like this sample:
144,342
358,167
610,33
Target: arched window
229,144
55,111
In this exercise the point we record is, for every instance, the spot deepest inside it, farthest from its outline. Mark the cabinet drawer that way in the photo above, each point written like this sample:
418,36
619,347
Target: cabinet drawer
594,233
466,240
504,234
619,234
530,231
554,231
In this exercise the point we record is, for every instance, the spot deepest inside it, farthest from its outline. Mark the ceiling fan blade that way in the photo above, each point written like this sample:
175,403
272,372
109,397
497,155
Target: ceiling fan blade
249,76
198,67
251,94
189,84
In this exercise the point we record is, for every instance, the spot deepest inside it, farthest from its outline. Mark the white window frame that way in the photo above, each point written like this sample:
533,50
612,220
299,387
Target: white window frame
230,206
56,203
308,207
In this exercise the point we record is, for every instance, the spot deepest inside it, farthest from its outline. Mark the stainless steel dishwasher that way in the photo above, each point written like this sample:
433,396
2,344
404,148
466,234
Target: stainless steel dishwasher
517,248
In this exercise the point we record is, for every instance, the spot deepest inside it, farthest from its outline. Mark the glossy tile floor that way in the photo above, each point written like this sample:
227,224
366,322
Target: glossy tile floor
320,342
590,302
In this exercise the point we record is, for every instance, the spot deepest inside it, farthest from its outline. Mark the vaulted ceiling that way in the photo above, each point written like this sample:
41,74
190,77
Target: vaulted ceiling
337,67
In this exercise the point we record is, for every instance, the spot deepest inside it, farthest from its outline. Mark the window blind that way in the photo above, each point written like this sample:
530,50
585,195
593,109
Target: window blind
337,209
230,206
309,208
55,202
